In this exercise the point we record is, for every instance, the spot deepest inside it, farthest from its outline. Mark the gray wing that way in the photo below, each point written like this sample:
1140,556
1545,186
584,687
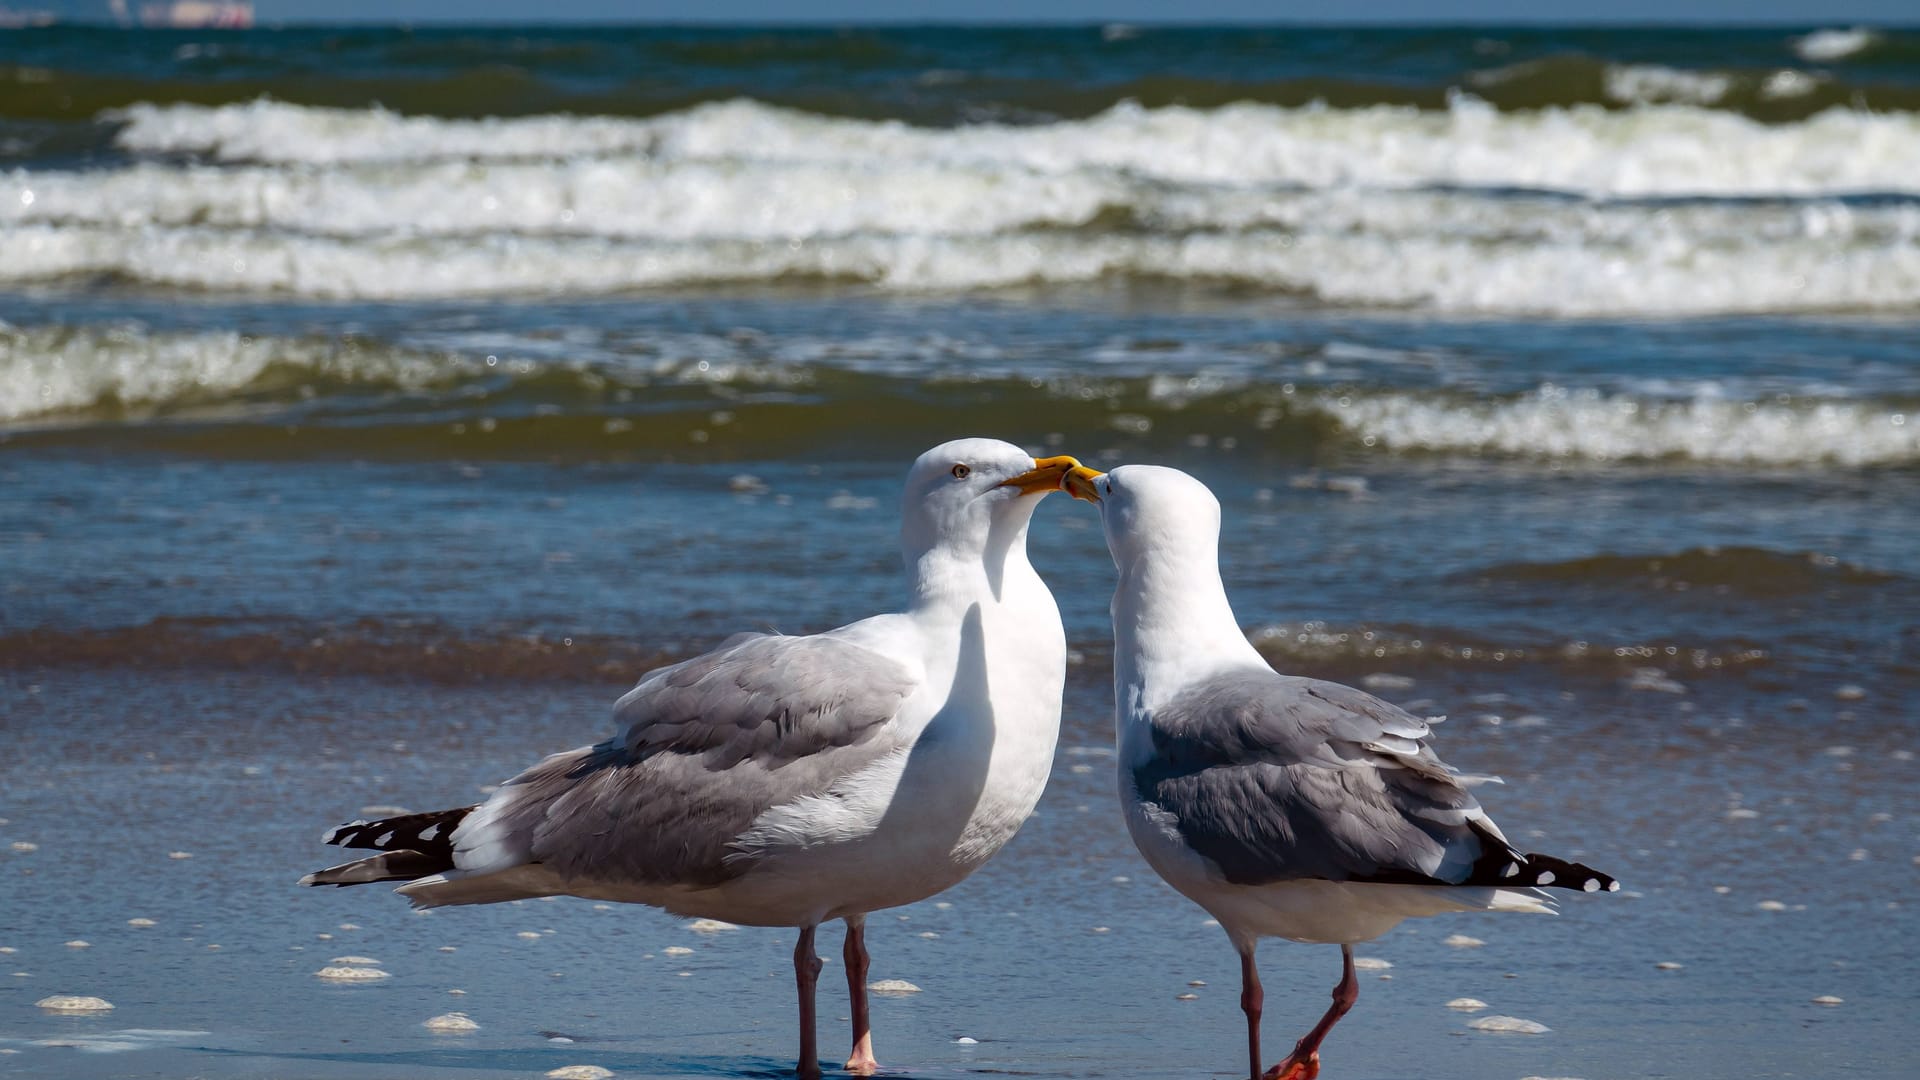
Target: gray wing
710,745
1275,777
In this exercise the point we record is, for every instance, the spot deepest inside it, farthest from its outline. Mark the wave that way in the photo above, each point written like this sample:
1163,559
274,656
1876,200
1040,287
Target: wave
1592,425
1351,652
415,650
364,647
1578,264
1825,46
1647,150
1742,571
259,394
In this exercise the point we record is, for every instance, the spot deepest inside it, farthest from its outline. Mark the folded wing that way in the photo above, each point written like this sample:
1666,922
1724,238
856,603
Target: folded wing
1276,778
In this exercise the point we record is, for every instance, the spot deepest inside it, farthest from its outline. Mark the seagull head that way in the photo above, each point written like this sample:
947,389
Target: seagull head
971,495
1150,508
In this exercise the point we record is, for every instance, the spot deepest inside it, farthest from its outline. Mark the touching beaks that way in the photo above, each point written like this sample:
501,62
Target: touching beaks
1078,482
1047,474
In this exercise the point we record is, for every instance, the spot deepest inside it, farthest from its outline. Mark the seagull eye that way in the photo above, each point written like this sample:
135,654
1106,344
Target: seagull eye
961,472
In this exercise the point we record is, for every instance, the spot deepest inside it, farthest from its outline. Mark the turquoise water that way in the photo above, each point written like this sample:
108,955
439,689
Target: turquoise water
357,449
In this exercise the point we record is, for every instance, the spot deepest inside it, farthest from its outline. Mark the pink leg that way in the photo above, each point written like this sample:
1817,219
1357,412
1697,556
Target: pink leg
1304,1062
806,975
860,1062
1252,999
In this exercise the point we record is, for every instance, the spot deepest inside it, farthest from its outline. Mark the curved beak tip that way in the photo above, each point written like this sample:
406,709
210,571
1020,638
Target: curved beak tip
1078,482
1047,475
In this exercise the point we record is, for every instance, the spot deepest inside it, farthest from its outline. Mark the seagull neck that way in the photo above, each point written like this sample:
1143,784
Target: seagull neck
1171,622
962,571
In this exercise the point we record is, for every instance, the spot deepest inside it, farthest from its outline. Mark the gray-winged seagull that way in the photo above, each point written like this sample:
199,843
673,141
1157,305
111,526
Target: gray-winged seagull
786,781
1284,806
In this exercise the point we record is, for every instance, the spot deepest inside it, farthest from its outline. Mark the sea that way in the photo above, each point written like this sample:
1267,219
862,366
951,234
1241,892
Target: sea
378,403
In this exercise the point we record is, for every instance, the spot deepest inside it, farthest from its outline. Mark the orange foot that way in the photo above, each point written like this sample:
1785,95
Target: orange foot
1295,1069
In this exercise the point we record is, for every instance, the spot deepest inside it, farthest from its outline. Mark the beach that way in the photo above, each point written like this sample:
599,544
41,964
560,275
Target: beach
376,406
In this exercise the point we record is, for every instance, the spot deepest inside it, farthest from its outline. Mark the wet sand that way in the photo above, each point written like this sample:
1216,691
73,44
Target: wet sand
1065,957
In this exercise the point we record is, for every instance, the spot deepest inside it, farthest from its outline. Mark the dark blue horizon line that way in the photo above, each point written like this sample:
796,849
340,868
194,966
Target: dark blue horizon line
824,23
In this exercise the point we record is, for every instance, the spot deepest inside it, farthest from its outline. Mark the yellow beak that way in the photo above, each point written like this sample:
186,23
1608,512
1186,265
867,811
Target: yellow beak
1045,475
1079,483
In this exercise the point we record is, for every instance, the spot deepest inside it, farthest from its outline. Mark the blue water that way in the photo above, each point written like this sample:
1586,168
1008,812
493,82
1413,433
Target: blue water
355,451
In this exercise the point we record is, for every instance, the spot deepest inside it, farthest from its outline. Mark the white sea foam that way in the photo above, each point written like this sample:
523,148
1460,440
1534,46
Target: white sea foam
1587,424
1652,84
1841,260
1662,149
54,370
1825,46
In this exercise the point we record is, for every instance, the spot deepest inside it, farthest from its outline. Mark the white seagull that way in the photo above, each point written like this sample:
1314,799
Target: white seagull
786,781
1284,806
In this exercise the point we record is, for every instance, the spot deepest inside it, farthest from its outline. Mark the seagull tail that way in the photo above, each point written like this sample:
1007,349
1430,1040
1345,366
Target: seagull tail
1550,872
411,846
1500,864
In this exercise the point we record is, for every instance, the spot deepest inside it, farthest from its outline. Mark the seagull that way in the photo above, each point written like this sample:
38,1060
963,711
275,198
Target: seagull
1285,806
790,780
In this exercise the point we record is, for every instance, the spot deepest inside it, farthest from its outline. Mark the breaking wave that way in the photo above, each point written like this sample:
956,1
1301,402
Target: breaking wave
1651,150
368,396
1666,210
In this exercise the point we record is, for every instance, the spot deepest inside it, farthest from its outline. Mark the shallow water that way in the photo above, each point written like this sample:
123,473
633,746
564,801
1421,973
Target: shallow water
1615,466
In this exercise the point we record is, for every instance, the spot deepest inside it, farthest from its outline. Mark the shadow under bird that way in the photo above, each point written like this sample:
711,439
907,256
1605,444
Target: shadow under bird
1285,806
787,781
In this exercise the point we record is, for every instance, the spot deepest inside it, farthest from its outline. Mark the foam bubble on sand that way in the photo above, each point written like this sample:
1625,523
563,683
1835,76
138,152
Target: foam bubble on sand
1508,1024
7,950
528,935
179,854
710,926
1186,997
358,961
450,1023
1466,1004
579,1072
892,986
1771,905
1371,963
1829,999
76,943
141,922
449,948
74,1003
23,847
1462,941
677,950
351,974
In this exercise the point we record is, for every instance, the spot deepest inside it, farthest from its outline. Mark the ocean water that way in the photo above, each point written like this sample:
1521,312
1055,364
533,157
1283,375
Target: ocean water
376,405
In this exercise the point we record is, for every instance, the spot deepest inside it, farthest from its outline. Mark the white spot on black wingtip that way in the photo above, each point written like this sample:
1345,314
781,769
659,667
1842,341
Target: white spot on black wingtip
1511,870
1592,885
1545,878
430,831
1613,886
384,839
308,879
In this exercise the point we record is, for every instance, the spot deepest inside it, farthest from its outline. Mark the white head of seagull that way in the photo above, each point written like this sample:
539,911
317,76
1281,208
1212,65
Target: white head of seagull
963,512
1171,615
